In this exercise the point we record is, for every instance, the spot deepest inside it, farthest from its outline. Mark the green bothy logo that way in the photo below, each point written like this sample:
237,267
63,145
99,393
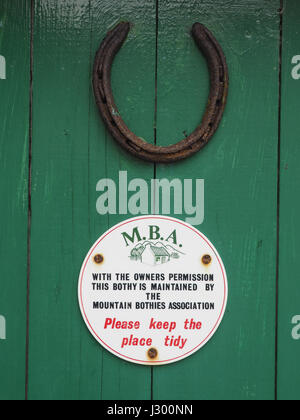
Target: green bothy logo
154,253
151,247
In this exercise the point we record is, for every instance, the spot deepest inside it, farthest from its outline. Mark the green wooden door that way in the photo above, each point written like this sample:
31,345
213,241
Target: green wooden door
54,149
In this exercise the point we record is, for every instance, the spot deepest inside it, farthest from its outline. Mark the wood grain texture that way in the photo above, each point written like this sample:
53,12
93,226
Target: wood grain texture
133,84
239,167
289,292
160,84
14,112
72,152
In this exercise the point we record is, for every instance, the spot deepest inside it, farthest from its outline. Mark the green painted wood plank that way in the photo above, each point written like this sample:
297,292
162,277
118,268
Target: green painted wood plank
14,112
289,290
239,167
133,83
71,152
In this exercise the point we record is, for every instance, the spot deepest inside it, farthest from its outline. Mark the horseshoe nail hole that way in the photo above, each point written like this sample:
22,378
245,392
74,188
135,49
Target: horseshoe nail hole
113,123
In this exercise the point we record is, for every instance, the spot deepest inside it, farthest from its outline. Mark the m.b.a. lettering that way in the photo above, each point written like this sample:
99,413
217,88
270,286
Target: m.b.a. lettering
151,233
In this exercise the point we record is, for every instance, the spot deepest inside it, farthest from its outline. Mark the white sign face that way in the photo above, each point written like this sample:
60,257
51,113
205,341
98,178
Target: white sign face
153,290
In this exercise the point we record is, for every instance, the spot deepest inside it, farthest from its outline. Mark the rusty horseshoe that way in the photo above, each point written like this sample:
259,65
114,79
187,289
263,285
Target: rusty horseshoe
219,82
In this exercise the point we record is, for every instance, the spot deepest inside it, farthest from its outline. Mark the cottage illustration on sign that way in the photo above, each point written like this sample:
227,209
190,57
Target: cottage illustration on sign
154,253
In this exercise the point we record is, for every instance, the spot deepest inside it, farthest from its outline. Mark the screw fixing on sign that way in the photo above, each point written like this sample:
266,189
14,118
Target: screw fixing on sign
206,259
152,353
219,82
99,259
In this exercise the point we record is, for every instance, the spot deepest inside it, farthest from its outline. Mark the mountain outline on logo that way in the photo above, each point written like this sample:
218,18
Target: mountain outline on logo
154,253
